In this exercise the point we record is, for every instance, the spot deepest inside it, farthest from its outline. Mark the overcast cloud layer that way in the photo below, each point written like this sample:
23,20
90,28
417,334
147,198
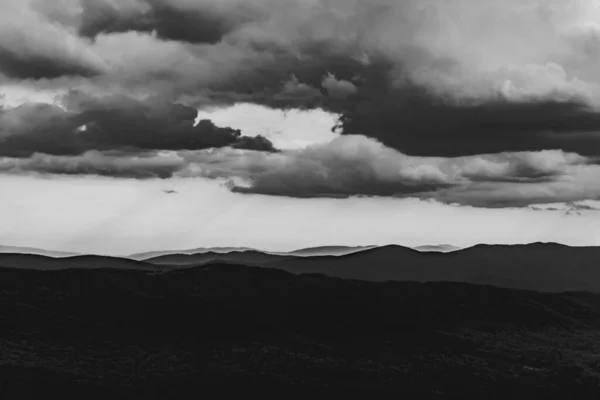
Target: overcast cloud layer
480,102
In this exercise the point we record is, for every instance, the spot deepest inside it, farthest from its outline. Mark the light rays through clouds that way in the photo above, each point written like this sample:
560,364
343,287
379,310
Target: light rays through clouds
56,214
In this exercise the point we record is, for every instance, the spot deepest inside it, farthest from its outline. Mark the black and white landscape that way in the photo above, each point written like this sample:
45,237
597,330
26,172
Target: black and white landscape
493,321
300,197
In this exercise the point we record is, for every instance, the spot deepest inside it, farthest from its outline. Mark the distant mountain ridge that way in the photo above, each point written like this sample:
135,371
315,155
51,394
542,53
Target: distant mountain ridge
199,250
538,266
546,267
303,252
328,250
440,248
248,257
35,251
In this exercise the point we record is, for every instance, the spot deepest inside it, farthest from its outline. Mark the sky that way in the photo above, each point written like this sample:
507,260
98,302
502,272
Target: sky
136,125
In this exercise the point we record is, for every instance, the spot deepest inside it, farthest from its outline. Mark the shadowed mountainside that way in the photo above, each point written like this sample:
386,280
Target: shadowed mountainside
239,330
537,266
80,262
240,257
545,267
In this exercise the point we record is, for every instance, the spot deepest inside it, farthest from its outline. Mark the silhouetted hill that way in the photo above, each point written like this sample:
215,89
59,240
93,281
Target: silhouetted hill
30,261
537,266
236,330
240,257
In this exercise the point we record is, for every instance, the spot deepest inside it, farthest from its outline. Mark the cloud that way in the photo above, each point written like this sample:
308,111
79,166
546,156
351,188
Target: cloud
338,88
348,166
30,47
179,20
492,103
86,123
360,166
415,122
135,166
569,208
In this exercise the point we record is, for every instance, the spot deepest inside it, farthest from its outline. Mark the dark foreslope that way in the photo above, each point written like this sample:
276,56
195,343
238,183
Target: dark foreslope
239,330
538,266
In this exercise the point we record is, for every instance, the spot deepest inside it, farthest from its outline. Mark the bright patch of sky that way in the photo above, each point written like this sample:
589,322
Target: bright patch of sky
292,129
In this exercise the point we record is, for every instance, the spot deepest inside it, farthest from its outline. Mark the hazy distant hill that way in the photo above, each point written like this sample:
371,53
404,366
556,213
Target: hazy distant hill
539,266
443,248
328,251
210,252
200,250
240,257
305,252
31,250
30,261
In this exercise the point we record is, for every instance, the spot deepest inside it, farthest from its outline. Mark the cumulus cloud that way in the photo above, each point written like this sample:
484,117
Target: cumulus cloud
30,47
82,123
356,165
182,20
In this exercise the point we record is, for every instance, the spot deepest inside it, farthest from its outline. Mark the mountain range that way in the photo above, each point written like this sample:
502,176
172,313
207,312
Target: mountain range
379,321
304,252
547,267
539,266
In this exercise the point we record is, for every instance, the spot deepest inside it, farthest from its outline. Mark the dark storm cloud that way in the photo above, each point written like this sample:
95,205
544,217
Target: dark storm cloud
412,117
109,123
33,48
22,66
184,21
416,122
338,88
